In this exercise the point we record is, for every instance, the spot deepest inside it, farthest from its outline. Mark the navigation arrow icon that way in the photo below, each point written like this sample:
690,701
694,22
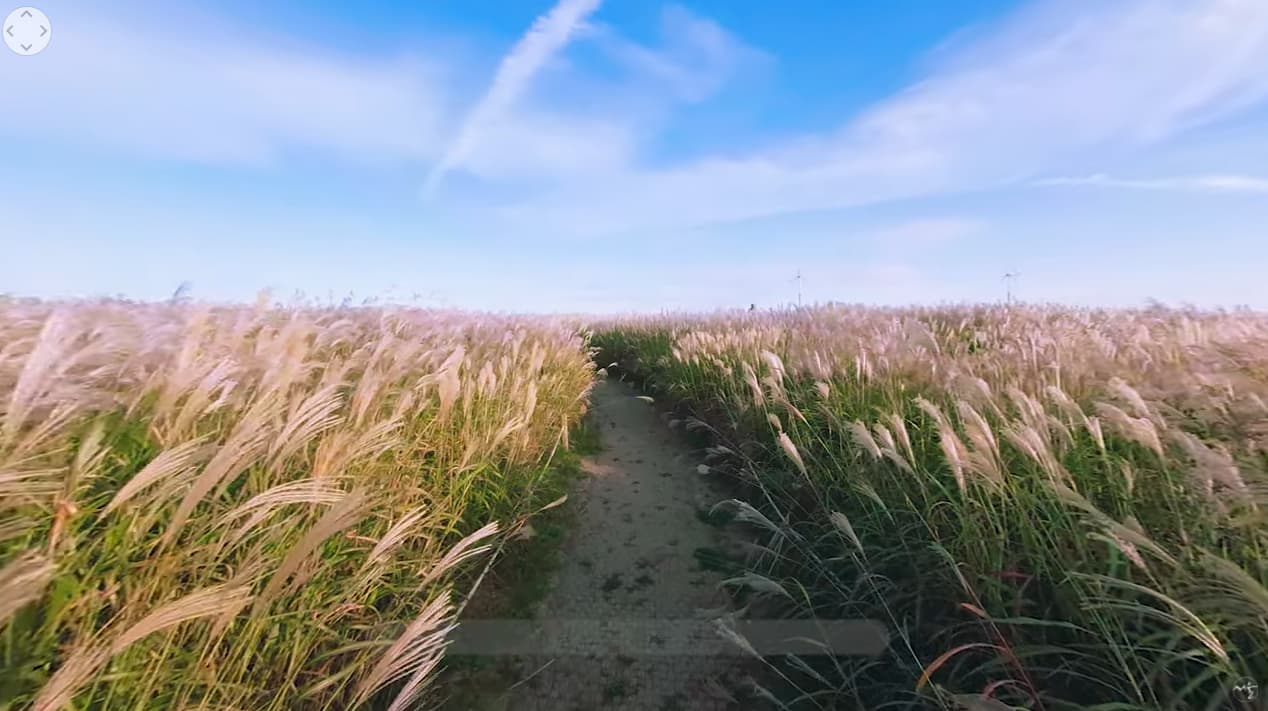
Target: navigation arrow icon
21,36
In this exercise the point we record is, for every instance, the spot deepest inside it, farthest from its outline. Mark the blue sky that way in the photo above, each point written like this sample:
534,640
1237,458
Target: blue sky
610,155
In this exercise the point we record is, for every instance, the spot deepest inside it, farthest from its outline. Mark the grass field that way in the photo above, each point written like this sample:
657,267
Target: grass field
215,507
260,508
1051,508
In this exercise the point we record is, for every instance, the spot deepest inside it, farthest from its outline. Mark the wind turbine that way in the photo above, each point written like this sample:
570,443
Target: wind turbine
798,280
1010,280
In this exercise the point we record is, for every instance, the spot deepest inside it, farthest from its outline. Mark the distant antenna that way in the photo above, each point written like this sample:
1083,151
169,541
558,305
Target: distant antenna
1010,280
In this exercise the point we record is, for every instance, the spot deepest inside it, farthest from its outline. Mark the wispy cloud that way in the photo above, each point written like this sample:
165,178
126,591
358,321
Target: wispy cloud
1057,85
1235,184
539,146
548,34
590,116
127,86
695,58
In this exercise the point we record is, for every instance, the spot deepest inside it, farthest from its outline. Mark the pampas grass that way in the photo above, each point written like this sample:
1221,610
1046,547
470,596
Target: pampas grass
1089,486
213,507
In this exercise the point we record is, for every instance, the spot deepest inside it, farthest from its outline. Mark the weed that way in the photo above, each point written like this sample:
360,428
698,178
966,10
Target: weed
264,508
1047,506
712,559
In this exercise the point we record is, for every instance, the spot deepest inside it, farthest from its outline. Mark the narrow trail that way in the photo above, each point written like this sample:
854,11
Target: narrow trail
626,623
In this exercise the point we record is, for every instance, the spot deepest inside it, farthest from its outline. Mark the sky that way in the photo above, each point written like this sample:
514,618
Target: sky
618,156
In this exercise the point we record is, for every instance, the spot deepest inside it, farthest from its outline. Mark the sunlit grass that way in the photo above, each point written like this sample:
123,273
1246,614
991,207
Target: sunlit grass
235,508
1053,508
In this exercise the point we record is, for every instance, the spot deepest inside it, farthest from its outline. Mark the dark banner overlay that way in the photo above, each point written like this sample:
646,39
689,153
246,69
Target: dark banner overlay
661,637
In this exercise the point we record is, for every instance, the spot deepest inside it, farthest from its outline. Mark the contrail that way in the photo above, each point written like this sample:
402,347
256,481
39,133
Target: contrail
549,33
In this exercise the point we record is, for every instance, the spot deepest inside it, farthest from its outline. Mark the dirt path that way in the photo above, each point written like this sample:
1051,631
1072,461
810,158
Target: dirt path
626,624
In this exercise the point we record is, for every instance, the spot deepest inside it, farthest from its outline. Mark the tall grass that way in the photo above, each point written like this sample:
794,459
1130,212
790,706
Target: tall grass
1051,508
258,508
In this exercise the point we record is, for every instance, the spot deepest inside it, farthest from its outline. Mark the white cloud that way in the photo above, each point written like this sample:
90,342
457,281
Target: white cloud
206,89
548,34
535,145
152,91
578,123
1056,85
1233,184
695,58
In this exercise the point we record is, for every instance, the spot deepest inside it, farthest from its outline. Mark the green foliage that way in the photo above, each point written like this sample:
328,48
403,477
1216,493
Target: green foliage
1044,569
225,507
